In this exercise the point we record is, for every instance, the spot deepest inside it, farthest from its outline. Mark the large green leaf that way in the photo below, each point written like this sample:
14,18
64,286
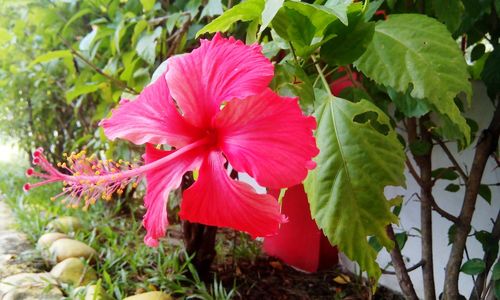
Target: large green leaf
248,10
355,164
270,10
450,12
410,51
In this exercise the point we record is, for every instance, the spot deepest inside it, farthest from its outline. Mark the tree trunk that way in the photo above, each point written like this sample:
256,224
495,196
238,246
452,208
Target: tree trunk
487,144
199,239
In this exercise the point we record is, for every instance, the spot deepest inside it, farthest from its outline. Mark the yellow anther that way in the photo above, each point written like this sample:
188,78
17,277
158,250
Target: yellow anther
119,191
97,172
65,154
134,185
52,198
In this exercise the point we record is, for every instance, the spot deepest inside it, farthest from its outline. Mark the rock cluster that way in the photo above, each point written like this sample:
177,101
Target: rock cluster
72,263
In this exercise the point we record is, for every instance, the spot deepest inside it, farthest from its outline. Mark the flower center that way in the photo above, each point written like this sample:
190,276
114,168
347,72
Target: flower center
211,134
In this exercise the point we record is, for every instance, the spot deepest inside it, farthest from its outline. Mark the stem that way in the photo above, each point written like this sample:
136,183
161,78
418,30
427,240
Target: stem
401,271
199,239
425,166
321,75
452,159
489,259
119,83
486,145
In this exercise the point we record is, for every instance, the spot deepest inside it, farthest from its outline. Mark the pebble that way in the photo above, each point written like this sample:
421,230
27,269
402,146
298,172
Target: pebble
73,271
29,286
66,248
64,224
46,240
150,296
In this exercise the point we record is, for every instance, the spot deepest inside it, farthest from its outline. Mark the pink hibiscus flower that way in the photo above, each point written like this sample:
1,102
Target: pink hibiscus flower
213,107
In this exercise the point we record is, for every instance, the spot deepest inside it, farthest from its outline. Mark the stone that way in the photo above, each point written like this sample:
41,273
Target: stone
64,224
91,292
46,240
150,296
73,271
11,264
66,248
13,242
29,286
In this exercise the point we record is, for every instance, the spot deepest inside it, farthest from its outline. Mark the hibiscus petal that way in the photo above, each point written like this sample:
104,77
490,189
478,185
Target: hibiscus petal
151,118
268,137
216,199
219,70
160,182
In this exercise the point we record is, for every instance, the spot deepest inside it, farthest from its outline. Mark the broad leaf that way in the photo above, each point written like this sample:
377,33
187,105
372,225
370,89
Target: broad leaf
415,52
213,8
148,4
473,266
78,90
490,74
449,12
248,10
146,46
355,164
349,43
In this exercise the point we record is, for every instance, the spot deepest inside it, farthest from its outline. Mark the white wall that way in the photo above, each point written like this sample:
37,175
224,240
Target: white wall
410,216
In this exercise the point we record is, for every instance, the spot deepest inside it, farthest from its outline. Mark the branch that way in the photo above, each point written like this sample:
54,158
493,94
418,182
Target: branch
443,213
177,36
401,271
486,145
413,172
452,159
489,259
408,270
117,82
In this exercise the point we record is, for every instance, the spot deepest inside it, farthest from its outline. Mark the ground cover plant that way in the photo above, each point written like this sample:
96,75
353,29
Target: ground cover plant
383,84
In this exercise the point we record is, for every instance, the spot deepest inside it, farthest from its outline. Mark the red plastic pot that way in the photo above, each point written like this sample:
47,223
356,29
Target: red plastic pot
299,242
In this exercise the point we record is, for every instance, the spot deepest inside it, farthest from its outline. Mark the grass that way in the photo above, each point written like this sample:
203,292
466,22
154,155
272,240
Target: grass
126,266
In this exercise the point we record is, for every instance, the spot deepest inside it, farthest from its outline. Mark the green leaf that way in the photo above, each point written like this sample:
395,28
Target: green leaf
51,56
420,147
452,231
444,173
148,5
349,42
79,90
146,46
270,10
496,271
453,188
401,239
450,12
485,192
490,74
248,10
473,267
75,17
213,8
411,51
488,242
408,105
5,36
346,189
477,52
138,29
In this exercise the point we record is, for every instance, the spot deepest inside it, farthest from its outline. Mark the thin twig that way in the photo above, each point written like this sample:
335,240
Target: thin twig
412,268
442,212
413,172
452,159
117,82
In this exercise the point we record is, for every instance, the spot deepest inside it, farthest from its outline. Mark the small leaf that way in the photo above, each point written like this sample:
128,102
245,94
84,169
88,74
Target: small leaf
490,74
452,231
474,266
146,46
213,8
248,10
51,56
453,188
496,271
75,17
374,243
444,173
401,239
80,90
485,192
270,10
147,5
419,148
